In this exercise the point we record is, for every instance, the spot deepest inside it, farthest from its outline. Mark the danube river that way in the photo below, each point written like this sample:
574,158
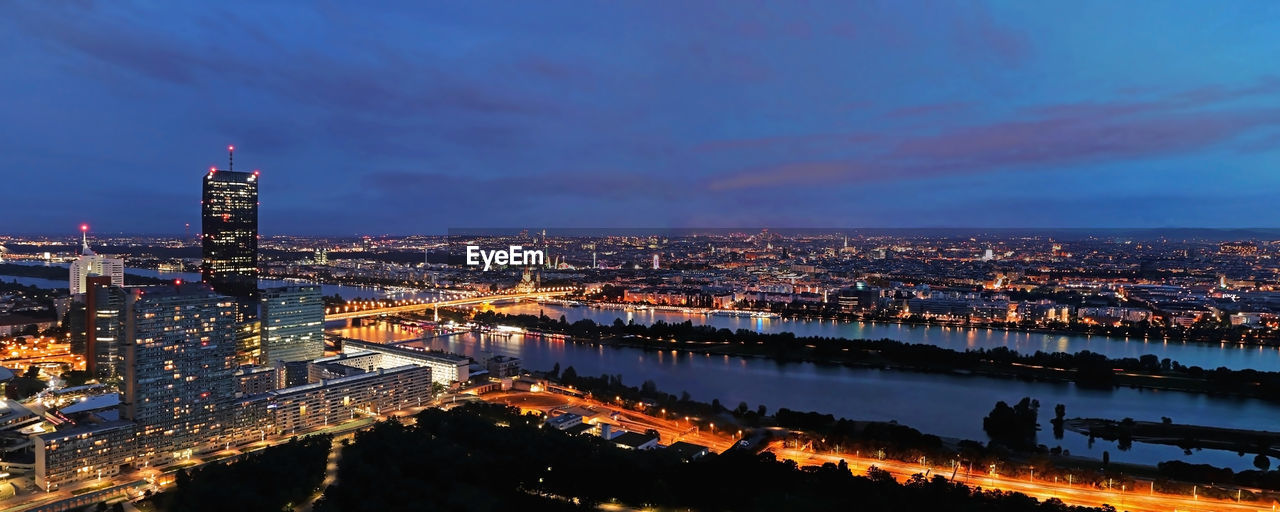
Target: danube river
1206,355
945,405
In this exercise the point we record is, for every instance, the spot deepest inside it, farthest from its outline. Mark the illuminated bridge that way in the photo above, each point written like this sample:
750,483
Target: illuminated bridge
350,312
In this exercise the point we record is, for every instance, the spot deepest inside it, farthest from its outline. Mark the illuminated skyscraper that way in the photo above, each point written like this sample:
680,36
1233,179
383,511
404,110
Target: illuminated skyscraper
91,264
292,324
179,359
229,227
97,324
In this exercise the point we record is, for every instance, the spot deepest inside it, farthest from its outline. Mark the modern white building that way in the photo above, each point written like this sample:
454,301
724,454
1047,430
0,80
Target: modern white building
91,264
446,368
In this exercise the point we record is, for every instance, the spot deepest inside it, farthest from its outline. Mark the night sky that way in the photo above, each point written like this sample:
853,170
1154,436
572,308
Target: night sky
608,113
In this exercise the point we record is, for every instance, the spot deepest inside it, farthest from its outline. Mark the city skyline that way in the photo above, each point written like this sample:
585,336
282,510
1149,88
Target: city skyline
470,115
711,255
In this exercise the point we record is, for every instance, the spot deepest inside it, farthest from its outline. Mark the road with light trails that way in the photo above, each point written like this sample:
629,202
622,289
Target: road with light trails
672,430
669,430
1133,501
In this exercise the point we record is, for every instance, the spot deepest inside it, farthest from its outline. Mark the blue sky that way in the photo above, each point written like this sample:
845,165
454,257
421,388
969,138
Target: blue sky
424,116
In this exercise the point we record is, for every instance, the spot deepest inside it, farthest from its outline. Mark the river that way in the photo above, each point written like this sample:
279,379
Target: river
945,405
1205,355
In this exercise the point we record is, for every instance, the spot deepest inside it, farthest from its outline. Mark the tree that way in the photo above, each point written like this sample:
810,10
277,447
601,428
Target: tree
1015,426
1059,412
76,377
1262,462
649,387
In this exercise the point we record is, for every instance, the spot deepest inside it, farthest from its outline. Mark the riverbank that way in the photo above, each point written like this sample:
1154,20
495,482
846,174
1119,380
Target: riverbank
1187,437
1206,335
1084,368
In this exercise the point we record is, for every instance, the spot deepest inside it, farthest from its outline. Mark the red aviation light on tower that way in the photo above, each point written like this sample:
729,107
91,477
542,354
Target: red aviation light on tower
84,227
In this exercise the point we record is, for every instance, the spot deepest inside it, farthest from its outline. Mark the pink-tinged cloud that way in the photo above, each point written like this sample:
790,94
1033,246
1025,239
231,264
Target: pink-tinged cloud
833,141
1089,136
976,33
929,110
796,173
1064,141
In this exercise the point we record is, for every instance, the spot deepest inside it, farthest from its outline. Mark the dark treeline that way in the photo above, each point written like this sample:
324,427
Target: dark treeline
1085,368
1187,472
277,478
483,457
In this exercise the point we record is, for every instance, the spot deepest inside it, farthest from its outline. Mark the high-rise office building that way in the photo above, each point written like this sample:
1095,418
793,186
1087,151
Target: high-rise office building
180,359
90,264
182,394
249,340
97,324
292,324
229,228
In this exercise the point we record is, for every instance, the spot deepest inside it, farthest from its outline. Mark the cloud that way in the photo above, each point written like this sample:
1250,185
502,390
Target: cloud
791,143
929,110
977,33
1048,137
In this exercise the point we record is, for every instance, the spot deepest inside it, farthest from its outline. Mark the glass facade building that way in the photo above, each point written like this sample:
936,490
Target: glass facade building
97,324
229,232
292,324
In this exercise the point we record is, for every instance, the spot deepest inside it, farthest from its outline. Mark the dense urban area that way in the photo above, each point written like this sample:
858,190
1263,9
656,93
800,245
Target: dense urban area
201,372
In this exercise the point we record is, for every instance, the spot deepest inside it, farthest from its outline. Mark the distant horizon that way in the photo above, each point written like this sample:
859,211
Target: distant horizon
688,231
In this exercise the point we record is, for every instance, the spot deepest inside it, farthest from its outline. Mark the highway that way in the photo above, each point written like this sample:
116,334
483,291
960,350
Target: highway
677,429
1141,500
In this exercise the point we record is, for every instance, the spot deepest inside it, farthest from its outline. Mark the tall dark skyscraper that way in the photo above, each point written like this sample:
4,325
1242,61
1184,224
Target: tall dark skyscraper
229,226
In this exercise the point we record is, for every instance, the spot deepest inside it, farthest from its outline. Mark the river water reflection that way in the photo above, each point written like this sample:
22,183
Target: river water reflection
945,405
1206,355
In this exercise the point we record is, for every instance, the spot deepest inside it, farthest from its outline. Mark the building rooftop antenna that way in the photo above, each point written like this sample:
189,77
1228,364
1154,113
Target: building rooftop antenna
231,158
